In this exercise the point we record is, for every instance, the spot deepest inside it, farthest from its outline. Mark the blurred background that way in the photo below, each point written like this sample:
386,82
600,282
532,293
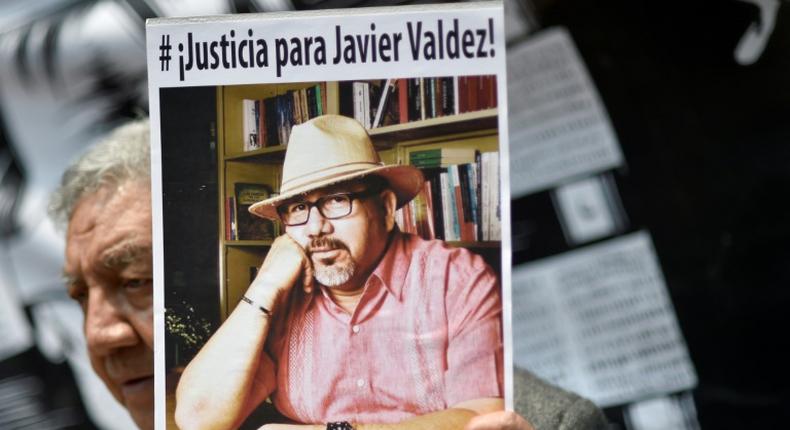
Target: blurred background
696,95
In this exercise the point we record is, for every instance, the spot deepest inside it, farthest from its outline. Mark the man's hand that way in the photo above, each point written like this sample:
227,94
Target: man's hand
501,420
286,264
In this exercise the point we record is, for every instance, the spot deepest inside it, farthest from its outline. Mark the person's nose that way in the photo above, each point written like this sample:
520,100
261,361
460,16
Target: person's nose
106,325
317,225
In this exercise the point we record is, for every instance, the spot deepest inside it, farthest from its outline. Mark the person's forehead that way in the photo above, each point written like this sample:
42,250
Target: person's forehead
110,227
341,187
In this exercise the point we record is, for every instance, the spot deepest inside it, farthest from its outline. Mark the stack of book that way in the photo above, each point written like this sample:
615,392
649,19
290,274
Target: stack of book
379,103
458,202
268,122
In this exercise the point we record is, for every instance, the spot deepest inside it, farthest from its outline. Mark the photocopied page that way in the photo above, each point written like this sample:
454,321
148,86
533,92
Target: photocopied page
559,127
598,321
330,242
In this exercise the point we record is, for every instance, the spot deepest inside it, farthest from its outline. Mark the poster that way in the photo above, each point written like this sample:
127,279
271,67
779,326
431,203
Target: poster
232,101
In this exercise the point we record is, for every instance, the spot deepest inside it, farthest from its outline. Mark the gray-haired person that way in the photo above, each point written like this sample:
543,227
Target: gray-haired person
104,203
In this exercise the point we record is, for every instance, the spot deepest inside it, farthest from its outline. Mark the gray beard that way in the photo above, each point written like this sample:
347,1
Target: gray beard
334,276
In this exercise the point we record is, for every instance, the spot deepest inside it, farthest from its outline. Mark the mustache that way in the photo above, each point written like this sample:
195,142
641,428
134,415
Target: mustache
325,243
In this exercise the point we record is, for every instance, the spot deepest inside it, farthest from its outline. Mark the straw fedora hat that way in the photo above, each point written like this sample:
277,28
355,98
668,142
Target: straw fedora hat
331,149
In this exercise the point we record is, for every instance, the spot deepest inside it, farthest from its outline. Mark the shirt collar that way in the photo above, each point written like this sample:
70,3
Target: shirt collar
394,265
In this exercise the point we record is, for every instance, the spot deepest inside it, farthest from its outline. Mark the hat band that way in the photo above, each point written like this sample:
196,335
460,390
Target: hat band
308,178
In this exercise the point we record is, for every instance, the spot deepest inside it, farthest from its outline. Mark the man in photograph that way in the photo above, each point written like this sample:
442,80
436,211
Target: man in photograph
350,321
104,202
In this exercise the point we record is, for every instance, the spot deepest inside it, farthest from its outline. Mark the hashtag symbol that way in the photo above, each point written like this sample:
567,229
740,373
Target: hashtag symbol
164,52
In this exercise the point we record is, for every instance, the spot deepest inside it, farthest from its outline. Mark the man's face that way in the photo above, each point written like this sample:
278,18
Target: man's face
345,251
109,271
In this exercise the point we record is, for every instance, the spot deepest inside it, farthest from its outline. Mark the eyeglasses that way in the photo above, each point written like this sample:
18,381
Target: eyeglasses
332,206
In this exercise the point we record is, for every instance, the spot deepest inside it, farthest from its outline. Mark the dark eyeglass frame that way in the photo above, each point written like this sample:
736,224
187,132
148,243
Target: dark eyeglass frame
317,204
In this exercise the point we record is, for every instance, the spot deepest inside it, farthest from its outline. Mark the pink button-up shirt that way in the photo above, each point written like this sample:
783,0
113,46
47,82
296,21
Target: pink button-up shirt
425,336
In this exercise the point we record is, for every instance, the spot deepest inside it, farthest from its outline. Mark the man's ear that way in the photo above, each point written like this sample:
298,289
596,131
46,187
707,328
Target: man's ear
389,202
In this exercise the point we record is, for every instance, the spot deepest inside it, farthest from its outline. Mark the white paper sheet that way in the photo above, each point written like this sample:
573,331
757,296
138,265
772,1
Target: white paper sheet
599,321
559,127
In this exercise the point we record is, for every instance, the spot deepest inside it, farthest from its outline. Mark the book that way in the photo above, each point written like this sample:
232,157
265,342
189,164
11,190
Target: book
231,219
403,100
447,203
441,157
250,120
249,226
382,106
362,103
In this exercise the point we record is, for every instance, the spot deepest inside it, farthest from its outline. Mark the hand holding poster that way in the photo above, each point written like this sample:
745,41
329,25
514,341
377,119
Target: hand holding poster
354,315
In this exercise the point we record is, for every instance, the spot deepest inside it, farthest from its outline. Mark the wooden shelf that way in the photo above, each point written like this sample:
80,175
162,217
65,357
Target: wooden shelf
246,243
274,154
391,135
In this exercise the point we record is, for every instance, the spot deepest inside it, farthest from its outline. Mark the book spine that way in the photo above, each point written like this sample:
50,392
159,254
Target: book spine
427,199
463,94
456,208
227,219
492,95
403,100
322,88
303,105
430,105
423,94
466,200
248,125
447,202
474,203
424,154
359,102
482,92
436,206
234,232
382,103
446,85
465,227
296,107
471,91
311,110
456,97
317,94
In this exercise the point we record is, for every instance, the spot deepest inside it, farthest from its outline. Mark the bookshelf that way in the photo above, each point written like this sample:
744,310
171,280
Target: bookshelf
395,143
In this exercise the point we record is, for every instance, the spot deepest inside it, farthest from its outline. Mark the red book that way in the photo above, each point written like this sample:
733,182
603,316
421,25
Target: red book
472,85
482,92
463,95
492,94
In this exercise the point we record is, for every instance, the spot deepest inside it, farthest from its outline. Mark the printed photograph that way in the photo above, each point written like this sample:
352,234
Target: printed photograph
332,251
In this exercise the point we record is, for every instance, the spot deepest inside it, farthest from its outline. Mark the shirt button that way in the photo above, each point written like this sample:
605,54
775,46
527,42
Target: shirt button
355,329
360,382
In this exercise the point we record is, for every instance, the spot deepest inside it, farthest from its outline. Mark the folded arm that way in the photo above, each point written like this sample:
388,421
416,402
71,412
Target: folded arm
231,374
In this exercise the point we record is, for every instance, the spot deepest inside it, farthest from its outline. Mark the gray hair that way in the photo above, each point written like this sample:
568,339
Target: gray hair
124,155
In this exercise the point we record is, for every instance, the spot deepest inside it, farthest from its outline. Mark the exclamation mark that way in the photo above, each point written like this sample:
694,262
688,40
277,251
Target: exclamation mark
491,34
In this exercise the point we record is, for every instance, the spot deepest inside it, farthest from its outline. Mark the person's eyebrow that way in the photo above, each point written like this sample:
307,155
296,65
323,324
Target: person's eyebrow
124,254
73,283
70,280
